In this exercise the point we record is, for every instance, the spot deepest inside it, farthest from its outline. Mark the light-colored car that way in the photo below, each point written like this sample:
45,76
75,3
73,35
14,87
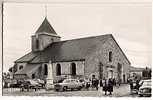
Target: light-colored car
145,88
30,84
68,84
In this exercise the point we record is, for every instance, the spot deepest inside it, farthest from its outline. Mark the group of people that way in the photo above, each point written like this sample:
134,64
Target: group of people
106,84
134,84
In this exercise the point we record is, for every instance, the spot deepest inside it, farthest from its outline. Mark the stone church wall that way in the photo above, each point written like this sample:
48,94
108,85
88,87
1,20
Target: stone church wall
102,55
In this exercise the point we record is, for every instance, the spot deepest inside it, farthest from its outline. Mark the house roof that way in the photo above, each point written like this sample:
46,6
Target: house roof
68,50
136,69
45,27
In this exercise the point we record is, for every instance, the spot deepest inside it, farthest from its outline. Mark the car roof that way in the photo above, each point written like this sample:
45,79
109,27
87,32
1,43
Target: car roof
70,79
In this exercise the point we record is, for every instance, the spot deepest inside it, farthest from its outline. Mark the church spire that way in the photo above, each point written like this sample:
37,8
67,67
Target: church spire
46,27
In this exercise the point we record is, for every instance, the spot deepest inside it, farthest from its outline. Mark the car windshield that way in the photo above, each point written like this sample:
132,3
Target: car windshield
66,81
33,82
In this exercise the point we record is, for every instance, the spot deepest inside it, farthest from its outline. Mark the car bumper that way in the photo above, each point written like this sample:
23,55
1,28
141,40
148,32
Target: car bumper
49,86
57,87
145,94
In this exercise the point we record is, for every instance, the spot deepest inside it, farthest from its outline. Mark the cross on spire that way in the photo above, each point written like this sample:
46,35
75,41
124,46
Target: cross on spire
45,10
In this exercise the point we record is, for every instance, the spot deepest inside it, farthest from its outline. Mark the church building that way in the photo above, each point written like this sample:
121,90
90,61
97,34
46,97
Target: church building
77,58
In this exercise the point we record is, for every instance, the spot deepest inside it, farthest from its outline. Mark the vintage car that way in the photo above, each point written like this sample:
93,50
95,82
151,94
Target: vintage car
68,84
30,84
145,88
14,84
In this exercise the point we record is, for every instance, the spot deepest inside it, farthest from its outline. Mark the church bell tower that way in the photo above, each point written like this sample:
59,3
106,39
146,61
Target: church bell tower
44,36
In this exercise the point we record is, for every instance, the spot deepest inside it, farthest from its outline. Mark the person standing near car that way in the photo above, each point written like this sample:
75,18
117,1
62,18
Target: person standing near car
110,86
105,86
87,84
95,82
137,84
131,84
114,82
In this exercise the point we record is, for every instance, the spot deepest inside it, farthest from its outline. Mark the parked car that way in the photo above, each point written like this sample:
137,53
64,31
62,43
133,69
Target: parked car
145,88
41,82
68,84
16,85
30,84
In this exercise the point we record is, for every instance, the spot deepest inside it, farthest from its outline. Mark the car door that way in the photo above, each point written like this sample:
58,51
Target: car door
76,84
67,83
71,84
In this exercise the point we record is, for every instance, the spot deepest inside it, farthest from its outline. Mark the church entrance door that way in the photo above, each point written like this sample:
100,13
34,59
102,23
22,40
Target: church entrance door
110,74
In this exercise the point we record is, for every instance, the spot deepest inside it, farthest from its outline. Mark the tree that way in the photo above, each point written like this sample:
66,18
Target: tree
146,73
13,69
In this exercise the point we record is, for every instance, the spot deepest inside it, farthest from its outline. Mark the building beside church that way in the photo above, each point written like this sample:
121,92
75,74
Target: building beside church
77,58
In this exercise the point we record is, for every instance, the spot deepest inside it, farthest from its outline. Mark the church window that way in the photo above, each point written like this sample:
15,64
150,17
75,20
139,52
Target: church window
73,69
20,67
33,76
45,69
37,43
58,69
110,56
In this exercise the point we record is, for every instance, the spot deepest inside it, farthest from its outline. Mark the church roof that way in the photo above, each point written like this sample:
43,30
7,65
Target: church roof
69,50
46,27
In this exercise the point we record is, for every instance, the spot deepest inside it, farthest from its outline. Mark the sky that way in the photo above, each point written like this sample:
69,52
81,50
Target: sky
130,24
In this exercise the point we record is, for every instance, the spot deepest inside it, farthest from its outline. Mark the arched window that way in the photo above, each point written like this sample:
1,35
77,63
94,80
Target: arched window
20,67
37,43
45,69
110,56
58,69
73,69
33,76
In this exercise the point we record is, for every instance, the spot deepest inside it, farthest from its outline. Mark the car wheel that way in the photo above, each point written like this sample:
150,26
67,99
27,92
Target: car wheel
79,88
140,95
72,89
56,89
64,88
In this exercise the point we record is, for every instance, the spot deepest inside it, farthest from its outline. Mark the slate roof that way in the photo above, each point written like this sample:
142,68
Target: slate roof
27,58
30,68
68,50
45,27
